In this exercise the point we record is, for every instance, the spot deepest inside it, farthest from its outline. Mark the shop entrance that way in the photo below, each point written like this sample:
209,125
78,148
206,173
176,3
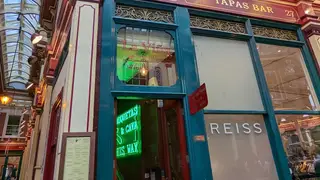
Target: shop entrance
150,140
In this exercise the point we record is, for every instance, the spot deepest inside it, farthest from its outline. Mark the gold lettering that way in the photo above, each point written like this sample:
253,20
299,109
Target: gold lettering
217,1
245,5
269,9
231,2
262,9
255,7
289,13
224,2
238,5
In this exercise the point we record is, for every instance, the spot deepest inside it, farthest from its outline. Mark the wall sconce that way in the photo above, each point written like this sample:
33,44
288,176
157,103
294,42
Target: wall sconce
36,37
32,59
5,99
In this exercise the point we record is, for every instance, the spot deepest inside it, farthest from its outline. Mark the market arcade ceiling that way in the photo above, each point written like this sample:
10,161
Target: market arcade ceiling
19,20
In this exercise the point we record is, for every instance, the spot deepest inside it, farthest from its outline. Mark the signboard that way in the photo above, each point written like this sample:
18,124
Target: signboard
129,133
198,99
254,8
77,156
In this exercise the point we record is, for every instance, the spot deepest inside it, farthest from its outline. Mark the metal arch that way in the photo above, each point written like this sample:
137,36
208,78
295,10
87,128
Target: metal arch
17,63
11,28
17,70
17,12
17,76
23,58
16,53
24,44
16,82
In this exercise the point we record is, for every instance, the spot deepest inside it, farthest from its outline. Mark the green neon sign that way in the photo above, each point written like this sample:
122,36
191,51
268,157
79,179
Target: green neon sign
129,133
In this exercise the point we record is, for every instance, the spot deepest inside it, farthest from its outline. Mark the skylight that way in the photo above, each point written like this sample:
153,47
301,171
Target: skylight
20,19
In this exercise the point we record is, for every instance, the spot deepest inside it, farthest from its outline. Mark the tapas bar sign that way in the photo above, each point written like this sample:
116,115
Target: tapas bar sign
254,8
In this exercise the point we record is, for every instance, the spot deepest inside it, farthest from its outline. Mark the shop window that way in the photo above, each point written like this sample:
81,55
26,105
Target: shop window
13,126
228,73
239,144
146,57
301,141
287,78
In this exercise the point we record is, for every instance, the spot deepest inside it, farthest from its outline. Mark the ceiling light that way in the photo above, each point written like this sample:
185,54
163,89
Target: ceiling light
35,38
307,11
283,120
279,50
143,70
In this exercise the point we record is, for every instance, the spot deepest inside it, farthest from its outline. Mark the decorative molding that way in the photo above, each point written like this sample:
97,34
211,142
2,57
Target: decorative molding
217,24
144,14
274,33
312,29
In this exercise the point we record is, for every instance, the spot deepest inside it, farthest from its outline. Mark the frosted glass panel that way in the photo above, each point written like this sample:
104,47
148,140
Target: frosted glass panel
226,68
239,148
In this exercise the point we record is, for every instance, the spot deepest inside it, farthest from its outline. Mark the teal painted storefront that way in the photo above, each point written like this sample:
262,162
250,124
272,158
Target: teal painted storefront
188,81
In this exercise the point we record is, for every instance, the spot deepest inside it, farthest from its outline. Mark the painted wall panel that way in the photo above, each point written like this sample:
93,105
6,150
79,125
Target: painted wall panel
82,79
44,125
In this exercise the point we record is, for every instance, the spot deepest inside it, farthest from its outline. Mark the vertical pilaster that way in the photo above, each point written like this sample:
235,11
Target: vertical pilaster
199,158
312,34
80,85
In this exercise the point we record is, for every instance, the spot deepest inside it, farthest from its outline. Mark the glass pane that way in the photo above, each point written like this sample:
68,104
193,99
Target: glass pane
146,57
226,68
239,147
301,140
12,167
287,77
13,125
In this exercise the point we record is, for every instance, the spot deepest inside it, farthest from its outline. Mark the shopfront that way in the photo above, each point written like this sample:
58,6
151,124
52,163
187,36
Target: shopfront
263,112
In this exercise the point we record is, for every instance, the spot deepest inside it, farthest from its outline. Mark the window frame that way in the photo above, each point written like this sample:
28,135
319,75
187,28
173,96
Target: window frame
122,89
198,151
4,132
269,113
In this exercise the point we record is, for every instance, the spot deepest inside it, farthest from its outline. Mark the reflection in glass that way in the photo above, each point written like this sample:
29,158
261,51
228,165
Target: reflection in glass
146,57
301,140
239,144
228,73
287,77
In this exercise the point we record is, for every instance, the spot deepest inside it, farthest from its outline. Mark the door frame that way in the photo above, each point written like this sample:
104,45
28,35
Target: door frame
53,133
177,105
182,137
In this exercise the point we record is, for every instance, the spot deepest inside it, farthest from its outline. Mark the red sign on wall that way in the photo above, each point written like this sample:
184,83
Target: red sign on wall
198,99
254,8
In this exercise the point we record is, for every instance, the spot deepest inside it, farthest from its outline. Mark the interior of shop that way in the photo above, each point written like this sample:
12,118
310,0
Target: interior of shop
291,89
9,164
287,77
149,139
146,57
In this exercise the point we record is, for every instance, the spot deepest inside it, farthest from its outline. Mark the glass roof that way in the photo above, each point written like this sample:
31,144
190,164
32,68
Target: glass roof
19,18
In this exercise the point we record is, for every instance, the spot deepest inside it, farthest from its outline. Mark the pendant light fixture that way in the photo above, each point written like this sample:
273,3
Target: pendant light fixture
144,70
